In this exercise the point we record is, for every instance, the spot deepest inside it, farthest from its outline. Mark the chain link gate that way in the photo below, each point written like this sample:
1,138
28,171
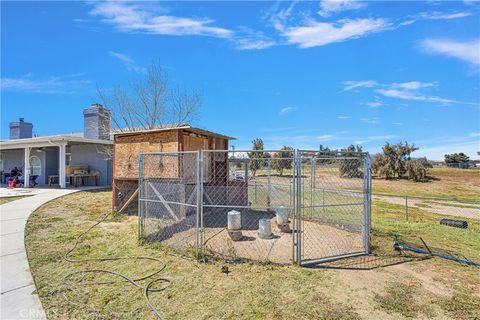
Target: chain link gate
333,206
185,199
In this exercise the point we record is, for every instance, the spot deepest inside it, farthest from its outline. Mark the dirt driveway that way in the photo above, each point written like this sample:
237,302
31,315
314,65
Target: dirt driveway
438,206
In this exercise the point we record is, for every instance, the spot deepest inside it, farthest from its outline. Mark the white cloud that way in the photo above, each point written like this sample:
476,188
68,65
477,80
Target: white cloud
397,123
436,15
328,7
306,141
400,94
413,85
411,90
468,51
128,62
359,142
343,117
474,134
415,96
129,17
374,104
67,84
149,18
325,137
349,85
249,39
279,17
374,120
286,110
315,33
385,137
253,44
438,152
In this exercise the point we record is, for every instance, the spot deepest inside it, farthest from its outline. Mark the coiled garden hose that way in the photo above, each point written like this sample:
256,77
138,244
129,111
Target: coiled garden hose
134,281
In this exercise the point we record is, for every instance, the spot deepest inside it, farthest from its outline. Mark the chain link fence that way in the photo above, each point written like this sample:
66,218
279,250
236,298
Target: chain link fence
424,209
280,206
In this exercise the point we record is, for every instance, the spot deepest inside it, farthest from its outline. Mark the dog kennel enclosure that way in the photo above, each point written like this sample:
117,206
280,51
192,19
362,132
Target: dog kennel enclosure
281,206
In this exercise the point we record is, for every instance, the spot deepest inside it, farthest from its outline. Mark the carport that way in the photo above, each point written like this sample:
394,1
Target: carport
52,160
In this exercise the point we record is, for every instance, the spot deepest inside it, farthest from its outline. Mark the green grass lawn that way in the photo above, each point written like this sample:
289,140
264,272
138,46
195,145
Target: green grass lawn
431,288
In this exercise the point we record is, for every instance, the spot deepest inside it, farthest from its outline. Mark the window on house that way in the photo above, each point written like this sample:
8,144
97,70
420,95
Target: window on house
68,158
35,166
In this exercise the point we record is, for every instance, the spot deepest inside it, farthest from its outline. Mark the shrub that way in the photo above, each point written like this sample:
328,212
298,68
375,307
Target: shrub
351,168
417,170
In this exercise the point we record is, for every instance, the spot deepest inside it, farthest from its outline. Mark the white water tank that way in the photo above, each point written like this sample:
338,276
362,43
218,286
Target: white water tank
264,228
234,220
282,215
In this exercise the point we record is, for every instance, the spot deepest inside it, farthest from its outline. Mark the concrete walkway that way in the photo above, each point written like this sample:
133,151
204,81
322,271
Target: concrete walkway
18,297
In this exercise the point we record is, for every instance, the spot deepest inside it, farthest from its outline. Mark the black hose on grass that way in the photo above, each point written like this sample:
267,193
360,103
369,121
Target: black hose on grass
146,289
455,223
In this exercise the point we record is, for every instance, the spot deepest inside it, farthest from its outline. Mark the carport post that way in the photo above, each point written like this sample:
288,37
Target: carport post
61,165
26,169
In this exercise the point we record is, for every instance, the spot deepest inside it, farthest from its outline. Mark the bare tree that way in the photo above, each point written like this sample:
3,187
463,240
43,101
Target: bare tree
150,103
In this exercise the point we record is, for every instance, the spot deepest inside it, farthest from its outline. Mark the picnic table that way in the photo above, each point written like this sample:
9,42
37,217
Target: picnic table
76,179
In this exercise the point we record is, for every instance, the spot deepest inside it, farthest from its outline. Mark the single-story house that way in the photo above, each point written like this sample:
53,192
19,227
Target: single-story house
61,159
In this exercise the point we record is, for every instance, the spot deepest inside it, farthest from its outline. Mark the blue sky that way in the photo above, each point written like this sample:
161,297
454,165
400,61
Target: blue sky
292,73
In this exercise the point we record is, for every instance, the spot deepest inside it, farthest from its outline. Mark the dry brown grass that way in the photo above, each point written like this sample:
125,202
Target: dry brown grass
250,291
444,182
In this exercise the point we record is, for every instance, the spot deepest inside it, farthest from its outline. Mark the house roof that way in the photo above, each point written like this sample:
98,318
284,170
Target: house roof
185,127
50,140
77,137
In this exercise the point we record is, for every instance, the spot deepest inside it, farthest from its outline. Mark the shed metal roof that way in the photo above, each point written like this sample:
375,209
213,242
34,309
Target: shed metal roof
185,127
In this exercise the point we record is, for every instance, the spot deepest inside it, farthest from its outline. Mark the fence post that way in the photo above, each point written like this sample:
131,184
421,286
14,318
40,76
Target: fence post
269,193
140,196
199,206
199,222
406,209
367,176
312,177
293,206
299,208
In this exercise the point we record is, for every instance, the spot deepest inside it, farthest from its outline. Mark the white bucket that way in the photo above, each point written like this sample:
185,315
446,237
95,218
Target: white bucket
264,228
234,220
282,215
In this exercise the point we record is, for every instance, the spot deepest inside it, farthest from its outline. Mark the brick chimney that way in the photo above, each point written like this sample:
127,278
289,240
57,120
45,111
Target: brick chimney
96,122
20,129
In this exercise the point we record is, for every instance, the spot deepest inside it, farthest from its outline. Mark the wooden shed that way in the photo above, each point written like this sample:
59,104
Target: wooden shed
129,145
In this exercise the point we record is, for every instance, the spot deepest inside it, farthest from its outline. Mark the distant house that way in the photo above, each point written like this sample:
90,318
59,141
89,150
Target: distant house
60,159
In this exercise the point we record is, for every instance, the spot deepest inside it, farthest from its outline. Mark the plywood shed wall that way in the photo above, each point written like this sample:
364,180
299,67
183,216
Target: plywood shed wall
128,147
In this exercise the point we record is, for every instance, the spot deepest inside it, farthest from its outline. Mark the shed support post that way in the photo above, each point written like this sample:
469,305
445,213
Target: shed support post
61,165
26,169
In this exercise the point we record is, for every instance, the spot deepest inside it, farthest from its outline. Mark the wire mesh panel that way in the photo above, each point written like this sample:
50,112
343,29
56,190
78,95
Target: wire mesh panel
168,205
251,187
334,205
280,206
